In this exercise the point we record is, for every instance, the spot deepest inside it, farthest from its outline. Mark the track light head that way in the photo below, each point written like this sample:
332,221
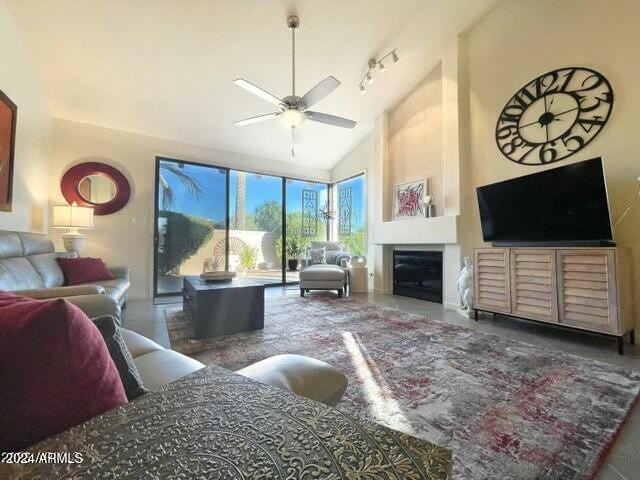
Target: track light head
395,57
369,78
381,67
363,89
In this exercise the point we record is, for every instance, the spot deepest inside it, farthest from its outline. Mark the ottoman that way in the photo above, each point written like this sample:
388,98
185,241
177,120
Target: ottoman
323,277
302,375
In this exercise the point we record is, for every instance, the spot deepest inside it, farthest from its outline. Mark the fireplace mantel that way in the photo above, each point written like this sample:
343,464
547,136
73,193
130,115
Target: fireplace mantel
432,231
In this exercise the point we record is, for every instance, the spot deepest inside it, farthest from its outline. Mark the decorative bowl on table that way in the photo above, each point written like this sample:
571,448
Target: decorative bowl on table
217,276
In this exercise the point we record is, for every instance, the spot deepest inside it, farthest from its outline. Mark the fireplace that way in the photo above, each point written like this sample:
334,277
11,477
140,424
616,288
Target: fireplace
418,274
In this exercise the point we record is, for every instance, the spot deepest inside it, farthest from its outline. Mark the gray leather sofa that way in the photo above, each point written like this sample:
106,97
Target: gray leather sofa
302,375
28,267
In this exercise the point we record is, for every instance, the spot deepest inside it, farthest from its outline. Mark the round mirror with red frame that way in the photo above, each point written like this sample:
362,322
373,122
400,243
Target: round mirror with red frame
96,185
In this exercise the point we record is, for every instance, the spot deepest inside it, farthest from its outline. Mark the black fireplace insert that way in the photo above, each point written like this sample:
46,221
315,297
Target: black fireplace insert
418,274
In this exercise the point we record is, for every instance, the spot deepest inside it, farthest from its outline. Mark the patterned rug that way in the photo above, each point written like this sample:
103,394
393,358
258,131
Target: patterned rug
507,410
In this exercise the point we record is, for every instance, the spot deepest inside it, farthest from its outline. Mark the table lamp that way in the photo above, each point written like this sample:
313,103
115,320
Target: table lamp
72,217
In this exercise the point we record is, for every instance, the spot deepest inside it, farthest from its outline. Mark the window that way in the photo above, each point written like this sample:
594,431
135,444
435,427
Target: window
351,221
191,229
255,226
305,223
220,219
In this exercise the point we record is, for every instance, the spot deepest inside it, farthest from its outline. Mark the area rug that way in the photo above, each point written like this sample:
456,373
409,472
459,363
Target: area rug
506,409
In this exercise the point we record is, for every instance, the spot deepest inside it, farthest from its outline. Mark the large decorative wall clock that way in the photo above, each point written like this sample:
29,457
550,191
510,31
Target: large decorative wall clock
554,116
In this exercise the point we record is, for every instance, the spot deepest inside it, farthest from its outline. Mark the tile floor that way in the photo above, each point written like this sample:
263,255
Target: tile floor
623,463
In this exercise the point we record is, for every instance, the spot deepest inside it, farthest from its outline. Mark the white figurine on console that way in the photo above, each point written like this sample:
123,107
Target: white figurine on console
465,287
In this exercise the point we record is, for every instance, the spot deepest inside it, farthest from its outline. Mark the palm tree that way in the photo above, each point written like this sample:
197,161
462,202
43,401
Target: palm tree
191,184
241,200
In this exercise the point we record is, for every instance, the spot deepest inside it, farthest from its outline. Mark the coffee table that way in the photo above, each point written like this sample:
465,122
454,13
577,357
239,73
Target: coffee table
222,308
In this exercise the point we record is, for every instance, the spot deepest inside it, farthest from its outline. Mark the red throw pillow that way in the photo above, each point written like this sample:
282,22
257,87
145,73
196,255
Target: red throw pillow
55,370
84,270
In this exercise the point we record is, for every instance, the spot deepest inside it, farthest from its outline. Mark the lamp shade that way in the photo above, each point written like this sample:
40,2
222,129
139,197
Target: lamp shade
72,216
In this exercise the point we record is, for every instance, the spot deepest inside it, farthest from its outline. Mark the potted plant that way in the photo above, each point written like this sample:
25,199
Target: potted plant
293,252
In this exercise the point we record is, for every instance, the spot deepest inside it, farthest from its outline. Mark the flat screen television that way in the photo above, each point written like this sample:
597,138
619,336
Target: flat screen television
557,207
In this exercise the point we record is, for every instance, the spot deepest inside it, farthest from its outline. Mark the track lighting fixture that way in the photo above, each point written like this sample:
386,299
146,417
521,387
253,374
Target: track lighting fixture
374,63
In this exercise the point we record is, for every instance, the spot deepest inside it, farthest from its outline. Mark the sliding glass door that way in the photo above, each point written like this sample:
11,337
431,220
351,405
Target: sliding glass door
191,222
210,218
306,221
255,235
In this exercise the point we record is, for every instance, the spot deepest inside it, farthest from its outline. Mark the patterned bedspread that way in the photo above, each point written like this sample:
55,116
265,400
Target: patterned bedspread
215,424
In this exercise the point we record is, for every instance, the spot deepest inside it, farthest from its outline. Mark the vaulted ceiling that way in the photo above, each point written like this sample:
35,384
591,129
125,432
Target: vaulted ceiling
166,67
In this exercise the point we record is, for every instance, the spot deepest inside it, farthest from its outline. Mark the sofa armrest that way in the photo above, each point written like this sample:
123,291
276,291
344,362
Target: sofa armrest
97,305
57,292
120,272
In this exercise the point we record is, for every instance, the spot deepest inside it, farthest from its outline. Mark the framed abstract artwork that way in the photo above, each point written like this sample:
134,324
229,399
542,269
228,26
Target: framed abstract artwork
408,199
8,113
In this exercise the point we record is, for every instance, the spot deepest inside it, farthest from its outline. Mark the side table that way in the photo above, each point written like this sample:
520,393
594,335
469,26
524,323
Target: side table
358,279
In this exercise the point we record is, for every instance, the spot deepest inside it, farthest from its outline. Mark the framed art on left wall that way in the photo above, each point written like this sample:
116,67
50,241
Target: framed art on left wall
8,114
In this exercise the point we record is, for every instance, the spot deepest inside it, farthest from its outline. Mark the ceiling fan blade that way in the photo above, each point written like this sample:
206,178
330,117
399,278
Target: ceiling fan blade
330,119
250,87
321,90
259,118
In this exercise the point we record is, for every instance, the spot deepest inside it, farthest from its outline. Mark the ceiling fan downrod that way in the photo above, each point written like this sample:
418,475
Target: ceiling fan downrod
293,22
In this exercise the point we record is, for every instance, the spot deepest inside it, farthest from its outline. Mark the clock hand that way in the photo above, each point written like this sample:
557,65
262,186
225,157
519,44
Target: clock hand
529,124
555,119
566,111
546,129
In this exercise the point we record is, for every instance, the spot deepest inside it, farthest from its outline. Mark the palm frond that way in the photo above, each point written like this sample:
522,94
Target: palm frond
190,183
168,195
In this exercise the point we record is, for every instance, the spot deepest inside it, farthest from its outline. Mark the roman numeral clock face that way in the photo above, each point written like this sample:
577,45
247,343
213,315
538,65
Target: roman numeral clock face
554,116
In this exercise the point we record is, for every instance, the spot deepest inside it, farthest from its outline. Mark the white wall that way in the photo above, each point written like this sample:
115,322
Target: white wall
33,135
126,237
520,40
415,137
359,160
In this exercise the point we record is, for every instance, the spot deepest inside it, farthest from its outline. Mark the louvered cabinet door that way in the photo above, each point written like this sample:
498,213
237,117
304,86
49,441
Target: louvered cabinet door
491,280
587,289
533,284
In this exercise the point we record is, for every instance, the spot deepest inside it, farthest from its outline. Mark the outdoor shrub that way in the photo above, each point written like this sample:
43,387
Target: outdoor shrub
183,238
248,258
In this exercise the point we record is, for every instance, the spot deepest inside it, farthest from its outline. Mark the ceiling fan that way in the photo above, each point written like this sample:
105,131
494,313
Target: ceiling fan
294,109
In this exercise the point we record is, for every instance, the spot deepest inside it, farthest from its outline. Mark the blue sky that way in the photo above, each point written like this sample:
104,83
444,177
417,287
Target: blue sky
212,202
260,188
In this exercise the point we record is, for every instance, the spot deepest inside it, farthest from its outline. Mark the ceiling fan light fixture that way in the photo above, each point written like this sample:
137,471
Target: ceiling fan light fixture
292,118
